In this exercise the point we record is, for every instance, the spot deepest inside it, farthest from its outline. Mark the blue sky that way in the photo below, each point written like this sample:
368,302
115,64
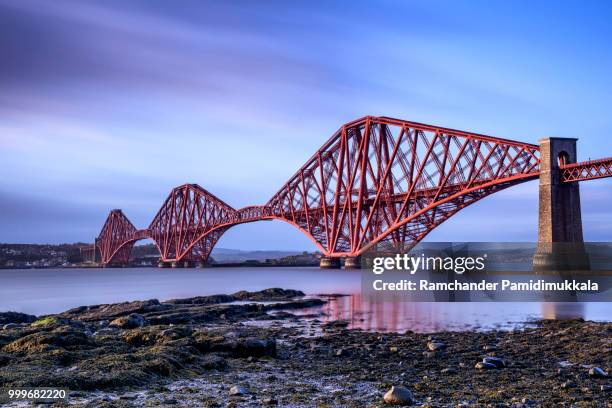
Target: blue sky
110,104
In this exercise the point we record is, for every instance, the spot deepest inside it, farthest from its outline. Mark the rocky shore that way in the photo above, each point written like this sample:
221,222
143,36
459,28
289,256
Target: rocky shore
251,349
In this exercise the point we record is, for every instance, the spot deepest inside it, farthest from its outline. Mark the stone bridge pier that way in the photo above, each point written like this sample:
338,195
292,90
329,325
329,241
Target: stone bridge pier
560,240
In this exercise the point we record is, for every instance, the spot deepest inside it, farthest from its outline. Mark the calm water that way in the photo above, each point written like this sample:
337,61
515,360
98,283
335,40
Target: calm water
42,291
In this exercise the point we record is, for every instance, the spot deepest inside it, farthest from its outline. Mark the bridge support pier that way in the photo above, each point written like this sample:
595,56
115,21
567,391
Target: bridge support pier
328,262
177,264
560,240
189,264
162,264
352,262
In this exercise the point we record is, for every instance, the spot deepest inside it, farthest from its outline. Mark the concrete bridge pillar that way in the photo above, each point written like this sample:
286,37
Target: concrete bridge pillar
178,264
352,262
162,264
560,241
328,262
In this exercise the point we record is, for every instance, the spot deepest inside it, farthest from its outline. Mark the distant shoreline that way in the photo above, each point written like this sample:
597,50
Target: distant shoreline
207,266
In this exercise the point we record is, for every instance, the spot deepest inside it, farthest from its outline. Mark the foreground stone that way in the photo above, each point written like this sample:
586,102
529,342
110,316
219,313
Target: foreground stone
399,396
132,321
238,390
597,372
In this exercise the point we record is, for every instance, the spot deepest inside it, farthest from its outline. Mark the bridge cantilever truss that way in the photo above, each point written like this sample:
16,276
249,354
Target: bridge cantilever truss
377,181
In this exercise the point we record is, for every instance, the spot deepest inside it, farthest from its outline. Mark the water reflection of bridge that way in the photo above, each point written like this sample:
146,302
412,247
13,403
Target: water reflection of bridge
363,312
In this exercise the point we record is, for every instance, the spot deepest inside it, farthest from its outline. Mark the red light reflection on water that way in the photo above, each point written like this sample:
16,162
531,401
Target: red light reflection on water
396,316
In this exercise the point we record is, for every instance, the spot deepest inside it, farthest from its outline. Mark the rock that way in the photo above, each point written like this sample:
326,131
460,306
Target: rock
490,347
238,390
202,300
128,397
605,388
174,333
448,370
496,361
568,384
393,349
10,326
399,396
435,345
114,311
41,342
268,294
597,372
341,353
56,320
105,332
270,401
485,366
132,321
16,317
256,348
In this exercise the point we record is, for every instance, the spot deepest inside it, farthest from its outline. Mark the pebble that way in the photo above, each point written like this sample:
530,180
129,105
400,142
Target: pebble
485,366
435,345
568,384
398,396
341,352
597,372
238,390
496,361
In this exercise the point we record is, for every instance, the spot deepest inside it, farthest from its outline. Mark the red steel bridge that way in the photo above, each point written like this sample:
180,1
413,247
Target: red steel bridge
377,181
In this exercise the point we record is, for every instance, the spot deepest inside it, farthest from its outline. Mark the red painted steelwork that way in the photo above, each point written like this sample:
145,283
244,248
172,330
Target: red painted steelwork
377,181
384,181
589,170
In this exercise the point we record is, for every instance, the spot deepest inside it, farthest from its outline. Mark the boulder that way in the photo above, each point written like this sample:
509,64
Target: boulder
132,321
496,361
485,366
398,396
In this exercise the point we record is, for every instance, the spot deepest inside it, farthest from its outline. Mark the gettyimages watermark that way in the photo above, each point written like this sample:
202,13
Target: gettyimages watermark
485,272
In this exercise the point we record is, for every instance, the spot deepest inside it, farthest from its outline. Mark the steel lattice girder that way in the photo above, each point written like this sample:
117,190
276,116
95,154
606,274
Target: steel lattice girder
116,238
377,181
383,180
588,170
